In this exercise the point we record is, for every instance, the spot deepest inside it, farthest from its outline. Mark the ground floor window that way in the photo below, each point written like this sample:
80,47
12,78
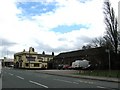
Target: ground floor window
36,65
27,64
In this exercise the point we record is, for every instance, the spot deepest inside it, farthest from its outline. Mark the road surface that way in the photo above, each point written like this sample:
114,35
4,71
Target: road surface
17,78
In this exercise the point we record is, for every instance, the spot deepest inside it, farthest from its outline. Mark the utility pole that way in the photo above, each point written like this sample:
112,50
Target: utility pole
109,61
29,59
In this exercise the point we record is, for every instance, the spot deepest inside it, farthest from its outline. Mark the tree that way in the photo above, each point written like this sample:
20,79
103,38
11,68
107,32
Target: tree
99,42
84,47
52,53
111,36
43,53
88,46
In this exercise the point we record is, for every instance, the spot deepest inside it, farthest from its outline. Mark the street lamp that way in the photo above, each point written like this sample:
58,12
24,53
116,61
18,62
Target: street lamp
63,61
108,51
29,59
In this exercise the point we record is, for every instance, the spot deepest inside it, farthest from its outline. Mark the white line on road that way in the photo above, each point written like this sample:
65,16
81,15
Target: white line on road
38,84
20,77
100,87
81,81
63,80
11,74
75,82
66,81
85,82
90,82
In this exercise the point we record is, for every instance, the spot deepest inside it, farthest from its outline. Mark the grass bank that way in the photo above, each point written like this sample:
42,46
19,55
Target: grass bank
101,73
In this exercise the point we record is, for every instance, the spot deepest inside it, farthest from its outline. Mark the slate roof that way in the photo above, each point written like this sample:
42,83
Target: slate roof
92,51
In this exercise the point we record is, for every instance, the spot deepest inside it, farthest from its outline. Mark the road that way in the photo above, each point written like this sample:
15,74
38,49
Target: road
17,78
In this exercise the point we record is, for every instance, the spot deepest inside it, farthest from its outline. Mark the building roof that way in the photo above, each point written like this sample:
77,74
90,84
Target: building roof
78,53
8,60
33,53
26,52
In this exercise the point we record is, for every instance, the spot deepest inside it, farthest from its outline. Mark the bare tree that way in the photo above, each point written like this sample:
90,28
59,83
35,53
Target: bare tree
99,42
111,26
88,46
84,47
43,53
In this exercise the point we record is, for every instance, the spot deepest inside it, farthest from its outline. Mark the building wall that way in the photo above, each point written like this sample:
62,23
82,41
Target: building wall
38,61
97,57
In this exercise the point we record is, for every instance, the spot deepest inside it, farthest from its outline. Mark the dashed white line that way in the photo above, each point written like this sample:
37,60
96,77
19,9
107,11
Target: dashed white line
85,82
90,82
81,81
66,81
75,82
20,77
63,80
38,84
100,87
11,74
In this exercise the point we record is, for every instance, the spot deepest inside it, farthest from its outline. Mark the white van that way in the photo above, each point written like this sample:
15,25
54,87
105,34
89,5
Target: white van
80,64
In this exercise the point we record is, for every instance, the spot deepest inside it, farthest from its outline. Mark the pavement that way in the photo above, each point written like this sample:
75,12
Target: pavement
71,73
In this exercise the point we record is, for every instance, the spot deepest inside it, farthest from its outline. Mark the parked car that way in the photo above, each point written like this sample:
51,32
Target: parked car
11,66
60,66
66,66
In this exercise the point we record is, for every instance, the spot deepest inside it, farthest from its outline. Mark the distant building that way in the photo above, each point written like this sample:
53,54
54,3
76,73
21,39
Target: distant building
97,56
31,59
7,62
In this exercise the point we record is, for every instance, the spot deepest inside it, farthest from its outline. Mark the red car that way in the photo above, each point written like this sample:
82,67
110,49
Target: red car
66,66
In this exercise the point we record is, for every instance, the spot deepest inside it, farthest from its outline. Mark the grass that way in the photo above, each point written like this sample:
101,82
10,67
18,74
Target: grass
101,73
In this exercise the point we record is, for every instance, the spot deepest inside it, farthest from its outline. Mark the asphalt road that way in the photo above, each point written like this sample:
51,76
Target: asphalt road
17,78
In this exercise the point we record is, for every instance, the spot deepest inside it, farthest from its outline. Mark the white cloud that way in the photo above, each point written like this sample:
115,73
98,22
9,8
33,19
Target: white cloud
28,33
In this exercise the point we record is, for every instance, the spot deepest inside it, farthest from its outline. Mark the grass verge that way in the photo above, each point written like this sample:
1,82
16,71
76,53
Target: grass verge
101,73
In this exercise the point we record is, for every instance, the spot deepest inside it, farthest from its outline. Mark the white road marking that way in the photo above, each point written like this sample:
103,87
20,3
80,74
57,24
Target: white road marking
63,80
81,81
90,82
20,77
100,87
85,82
38,84
75,82
11,74
66,81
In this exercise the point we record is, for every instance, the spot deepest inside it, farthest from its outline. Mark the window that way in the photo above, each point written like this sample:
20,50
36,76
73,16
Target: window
27,64
30,58
36,65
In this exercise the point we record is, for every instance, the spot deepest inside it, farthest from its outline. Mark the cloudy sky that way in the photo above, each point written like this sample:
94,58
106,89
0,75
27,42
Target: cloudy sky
49,25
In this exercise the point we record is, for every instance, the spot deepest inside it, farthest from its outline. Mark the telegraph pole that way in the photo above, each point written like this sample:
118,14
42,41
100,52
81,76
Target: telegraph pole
109,61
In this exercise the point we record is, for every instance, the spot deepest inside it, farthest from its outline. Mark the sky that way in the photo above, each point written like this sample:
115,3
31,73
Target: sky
50,25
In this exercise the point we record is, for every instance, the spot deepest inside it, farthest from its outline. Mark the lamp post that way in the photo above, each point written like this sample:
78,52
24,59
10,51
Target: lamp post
108,51
29,59
62,60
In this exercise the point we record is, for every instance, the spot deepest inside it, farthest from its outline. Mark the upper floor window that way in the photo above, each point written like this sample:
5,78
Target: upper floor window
30,58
